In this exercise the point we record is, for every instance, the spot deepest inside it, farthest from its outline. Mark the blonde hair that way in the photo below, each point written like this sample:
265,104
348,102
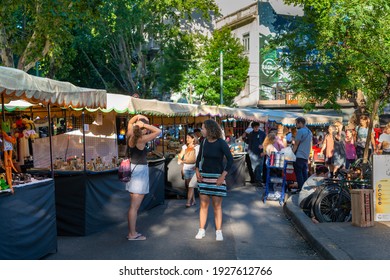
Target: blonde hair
269,139
337,123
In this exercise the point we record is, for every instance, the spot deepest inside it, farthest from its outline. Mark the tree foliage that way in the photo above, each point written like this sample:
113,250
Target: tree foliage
340,45
32,31
143,47
205,75
127,46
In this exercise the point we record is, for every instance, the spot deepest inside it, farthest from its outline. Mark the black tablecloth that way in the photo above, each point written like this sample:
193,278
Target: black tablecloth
88,203
28,222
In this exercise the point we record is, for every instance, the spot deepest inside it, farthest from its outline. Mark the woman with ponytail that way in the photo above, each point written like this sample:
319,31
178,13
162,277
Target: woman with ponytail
139,132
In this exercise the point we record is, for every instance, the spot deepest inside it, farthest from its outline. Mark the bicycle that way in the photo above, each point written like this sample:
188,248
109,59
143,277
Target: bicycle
333,202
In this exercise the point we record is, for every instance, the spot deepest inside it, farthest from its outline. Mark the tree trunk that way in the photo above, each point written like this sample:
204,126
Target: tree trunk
374,113
370,128
5,51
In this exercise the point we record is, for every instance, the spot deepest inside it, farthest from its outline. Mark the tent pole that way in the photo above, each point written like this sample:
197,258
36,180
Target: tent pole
50,140
162,136
84,149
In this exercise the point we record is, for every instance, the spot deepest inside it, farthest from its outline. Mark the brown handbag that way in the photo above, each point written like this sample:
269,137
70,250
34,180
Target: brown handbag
189,156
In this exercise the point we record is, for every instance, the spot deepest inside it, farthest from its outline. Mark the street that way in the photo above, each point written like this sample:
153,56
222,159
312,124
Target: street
252,231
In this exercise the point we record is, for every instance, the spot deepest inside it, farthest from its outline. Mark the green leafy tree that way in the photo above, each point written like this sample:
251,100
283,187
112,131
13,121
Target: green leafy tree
338,46
141,46
32,31
205,75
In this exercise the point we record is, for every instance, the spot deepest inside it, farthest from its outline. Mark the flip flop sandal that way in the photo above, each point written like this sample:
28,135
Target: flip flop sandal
138,237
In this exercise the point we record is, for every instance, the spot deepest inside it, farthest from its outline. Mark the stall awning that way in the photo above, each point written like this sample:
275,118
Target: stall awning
16,105
17,84
162,108
287,118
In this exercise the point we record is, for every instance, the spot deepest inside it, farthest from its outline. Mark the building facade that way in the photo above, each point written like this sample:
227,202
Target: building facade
254,25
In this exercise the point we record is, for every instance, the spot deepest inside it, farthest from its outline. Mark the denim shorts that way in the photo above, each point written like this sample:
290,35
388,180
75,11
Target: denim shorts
188,173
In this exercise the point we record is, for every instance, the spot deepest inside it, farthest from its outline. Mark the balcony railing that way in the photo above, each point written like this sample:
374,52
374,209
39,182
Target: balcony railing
244,14
288,99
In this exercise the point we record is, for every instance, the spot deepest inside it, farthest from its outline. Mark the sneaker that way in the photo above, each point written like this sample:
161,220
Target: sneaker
218,235
201,233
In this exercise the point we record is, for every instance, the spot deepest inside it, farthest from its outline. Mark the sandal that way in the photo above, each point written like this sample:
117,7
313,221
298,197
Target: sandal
138,237
188,205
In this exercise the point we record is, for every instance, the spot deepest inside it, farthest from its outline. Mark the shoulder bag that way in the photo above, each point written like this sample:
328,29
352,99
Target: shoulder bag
124,171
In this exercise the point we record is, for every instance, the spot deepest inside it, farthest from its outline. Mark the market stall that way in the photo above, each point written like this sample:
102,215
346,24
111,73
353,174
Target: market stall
90,202
287,118
27,203
28,221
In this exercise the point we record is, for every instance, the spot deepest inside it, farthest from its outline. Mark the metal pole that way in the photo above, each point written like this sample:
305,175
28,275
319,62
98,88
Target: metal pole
221,73
162,135
50,140
85,156
37,68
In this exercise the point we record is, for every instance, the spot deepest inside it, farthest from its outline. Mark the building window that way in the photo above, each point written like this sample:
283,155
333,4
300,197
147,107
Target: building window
245,42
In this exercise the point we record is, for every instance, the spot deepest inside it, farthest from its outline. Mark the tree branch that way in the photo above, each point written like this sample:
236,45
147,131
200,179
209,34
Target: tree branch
94,68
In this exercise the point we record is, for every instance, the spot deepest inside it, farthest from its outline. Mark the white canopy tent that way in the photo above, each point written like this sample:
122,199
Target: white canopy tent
17,84
287,118
17,105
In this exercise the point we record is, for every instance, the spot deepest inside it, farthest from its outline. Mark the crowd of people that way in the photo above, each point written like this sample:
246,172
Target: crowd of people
206,159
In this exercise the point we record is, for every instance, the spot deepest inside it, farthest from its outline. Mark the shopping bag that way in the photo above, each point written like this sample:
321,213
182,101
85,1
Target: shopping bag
288,154
124,171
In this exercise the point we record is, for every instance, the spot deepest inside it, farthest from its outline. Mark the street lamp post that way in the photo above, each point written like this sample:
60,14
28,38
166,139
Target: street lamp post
221,75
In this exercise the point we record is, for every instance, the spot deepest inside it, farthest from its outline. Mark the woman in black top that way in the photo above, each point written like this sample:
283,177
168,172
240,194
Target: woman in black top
211,173
139,132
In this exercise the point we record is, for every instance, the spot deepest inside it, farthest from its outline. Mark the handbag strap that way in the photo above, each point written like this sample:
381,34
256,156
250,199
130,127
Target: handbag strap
127,147
201,158
134,167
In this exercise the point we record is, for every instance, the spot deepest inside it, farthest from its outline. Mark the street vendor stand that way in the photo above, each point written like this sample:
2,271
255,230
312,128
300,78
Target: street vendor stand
28,221
238,174
89,195
27,216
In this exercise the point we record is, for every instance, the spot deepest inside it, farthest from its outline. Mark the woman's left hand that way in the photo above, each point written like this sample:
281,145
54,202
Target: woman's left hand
220,180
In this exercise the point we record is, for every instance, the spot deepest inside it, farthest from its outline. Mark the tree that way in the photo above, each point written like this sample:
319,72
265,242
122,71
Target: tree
338,46
205,76
130,46
141,46
32,31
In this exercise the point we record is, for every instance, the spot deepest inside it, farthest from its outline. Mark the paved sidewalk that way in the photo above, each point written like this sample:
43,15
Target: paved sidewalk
252,231
342,241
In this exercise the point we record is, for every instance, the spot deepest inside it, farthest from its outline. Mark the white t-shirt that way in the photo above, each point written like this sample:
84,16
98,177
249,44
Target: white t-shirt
309,186
384,137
